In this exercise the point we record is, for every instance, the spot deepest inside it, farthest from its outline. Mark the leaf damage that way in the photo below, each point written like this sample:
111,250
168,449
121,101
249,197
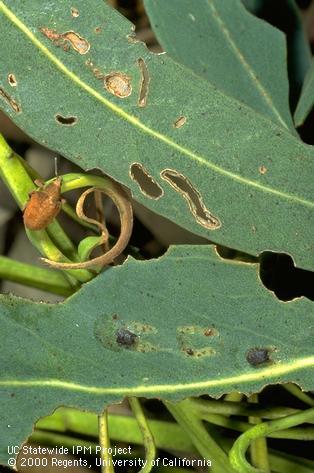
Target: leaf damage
68,121
180,122
118,84
147,184
12,80
74,12
67,40
145,79
10,101
185,188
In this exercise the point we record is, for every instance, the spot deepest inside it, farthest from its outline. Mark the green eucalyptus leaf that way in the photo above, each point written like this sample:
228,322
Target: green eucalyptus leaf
195,319
306,100
236,52
285,15
77,81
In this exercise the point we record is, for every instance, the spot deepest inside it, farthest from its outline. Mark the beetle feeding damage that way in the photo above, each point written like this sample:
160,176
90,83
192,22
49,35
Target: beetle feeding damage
10,101
145,79
118,84
74,12
182,185
12,80
68,121
147,184
79,44
191,342
132,38
180,122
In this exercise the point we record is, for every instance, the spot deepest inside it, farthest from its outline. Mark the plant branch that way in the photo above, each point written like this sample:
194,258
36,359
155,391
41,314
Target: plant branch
104,442
184,414
148,439
34,276
237,452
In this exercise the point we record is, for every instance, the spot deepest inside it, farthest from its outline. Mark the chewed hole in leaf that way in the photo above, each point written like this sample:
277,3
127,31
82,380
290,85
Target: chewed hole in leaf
68,121
12,80
142,99
78,43
262,169
67,40
74,12
278,274
149,187
10,101
192,340
182,185
180,122
118,84
199,353
197,330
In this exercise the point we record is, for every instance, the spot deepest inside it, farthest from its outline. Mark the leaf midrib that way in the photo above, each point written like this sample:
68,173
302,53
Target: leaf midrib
136,122
260,375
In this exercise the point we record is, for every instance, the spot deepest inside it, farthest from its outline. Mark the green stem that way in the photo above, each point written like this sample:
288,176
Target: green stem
304,434
296,391
123,428
34,276
62,241
104,442
258,447
41,240
240,409
148,439
234,397
207,447
168,436
74,444
14,175
237,452
42,437
281,462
